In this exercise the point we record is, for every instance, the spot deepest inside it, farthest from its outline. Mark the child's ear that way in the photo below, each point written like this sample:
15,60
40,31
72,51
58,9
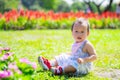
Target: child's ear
87,33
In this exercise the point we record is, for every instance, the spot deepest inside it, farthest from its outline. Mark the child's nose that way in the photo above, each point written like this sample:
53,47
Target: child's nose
79,34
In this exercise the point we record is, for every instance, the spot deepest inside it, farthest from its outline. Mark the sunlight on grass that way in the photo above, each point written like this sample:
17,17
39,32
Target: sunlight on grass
48,43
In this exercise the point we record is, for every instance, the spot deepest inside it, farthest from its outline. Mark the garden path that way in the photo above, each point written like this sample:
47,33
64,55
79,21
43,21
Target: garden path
113,74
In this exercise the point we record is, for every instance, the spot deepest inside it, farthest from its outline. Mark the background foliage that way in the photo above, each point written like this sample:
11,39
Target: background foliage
55,5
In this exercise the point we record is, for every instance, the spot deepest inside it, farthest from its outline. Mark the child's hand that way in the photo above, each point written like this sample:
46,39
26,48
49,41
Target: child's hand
80,60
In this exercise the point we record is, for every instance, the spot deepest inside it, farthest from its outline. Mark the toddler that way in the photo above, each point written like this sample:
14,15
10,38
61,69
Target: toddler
79,61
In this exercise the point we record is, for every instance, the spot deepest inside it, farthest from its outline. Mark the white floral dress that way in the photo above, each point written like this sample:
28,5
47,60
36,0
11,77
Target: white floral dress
66,60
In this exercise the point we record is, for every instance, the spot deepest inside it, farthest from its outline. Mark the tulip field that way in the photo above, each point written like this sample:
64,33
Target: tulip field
22,20
19,51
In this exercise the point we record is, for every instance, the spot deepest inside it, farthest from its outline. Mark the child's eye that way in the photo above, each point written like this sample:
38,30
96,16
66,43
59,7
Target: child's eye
76,31
82,31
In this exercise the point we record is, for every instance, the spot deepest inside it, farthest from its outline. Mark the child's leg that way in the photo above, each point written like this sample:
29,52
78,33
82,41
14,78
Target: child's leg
44,63
69,69
60,69
53,62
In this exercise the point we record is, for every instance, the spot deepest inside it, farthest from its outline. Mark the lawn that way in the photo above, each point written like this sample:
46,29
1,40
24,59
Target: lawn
48,43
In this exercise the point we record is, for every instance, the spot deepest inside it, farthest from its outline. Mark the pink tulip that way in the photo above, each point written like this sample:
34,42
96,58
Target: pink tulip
34,65
6,56
13,66
18,71
6,49
24,60
5,74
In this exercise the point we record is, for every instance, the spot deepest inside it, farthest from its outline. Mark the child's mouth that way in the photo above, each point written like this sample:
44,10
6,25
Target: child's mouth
78,37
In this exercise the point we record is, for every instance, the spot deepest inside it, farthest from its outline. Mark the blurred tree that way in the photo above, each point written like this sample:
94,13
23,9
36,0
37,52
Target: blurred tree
108,6
58,5
93,7
11,4
47,4
98,5
113,8
77,6
63,6
27,3
2,6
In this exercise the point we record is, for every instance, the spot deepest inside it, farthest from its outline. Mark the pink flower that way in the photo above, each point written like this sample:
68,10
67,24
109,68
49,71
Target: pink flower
6,49
5,74
34,65
6,56
13,66
18,71
24,60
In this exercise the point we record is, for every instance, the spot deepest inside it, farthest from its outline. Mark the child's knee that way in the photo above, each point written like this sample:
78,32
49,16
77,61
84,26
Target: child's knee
69,69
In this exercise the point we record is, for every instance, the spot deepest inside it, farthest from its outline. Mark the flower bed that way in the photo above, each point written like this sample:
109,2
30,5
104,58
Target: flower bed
13,68
50,20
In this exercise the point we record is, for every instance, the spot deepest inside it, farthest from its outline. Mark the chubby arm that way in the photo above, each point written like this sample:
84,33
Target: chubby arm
91,51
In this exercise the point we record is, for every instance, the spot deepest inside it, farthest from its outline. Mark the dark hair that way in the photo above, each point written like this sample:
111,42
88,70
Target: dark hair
119,4
72,26
80,21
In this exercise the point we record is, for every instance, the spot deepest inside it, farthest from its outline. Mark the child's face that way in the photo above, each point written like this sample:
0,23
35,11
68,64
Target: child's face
79,32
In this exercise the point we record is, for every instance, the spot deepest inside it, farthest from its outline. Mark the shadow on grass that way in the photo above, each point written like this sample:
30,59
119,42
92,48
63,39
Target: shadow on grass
74,76
39,71
67,76
61,77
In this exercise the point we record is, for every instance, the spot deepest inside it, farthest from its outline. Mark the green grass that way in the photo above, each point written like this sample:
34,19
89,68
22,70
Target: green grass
48,43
